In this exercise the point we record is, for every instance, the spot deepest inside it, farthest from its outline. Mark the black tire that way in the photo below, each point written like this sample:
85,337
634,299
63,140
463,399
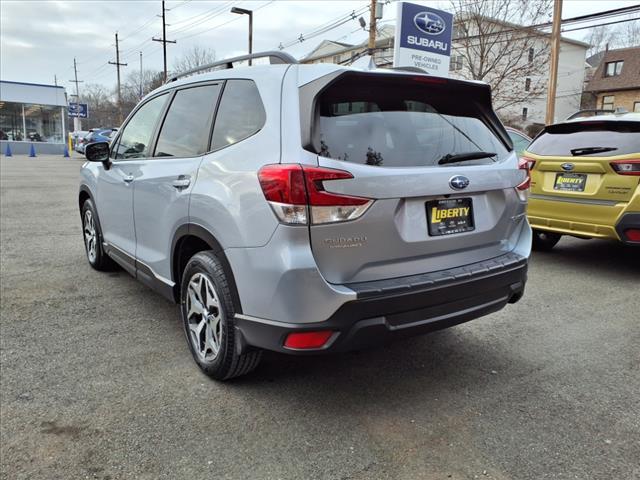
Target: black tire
99,260
545,241
218,327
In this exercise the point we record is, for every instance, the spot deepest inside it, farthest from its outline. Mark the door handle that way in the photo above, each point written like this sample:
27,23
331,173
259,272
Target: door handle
181,182
128,178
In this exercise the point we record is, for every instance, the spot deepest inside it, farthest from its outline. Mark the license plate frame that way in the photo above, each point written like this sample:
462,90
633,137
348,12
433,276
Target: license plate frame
439,223
561,186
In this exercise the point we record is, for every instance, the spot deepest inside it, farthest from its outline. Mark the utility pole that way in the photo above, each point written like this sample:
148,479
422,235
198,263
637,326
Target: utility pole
118,65
140,94
555,53
164,40
372,27
77,122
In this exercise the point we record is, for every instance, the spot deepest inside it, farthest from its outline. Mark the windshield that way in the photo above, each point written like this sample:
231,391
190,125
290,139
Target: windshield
401,126
592,139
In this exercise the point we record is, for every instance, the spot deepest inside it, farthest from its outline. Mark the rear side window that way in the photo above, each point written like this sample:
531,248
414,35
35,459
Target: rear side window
400,124
594,139
135,139
185,131
240,114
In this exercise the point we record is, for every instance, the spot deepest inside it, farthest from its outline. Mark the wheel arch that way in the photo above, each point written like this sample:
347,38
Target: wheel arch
190,239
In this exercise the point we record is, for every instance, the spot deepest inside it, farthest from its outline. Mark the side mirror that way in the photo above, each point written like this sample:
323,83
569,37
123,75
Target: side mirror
97,152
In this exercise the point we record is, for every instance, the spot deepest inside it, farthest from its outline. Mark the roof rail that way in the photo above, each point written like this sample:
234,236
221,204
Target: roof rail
274,56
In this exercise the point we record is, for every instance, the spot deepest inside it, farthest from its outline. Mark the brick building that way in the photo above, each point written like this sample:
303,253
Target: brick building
616,81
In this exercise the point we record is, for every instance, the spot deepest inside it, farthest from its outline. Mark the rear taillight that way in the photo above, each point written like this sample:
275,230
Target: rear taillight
524,164
530,162
626,167
296,192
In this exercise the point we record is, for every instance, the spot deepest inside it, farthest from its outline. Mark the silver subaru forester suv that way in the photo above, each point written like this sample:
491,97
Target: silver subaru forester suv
310,209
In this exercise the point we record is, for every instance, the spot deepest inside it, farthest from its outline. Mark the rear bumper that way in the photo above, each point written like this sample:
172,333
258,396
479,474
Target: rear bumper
389,309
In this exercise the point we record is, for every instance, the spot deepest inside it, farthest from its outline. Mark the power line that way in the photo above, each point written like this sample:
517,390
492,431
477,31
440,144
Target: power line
224,23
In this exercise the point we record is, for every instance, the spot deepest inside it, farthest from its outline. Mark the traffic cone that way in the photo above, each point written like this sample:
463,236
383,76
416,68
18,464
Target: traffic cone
32,151
66,152
7,152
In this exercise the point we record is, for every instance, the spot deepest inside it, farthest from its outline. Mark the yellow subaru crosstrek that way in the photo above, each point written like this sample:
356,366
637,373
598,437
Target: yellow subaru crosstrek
584,180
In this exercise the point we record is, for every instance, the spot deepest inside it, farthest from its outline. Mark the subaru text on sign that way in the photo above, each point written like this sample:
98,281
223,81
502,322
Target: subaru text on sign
423,38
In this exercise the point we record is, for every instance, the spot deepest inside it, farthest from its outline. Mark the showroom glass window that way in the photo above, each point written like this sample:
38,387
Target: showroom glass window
11,121
43,123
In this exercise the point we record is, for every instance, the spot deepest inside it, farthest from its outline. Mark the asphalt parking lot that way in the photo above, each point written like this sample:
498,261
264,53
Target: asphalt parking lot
97,380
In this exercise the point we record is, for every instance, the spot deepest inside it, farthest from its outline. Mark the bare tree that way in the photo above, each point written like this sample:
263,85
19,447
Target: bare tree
194,57
103,111
131,91
622,35
499,49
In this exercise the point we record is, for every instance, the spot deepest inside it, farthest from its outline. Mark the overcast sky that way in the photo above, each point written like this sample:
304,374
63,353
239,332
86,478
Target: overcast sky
40,39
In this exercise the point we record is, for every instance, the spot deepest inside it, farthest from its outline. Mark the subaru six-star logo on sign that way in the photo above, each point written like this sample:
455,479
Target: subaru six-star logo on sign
429,23
459,182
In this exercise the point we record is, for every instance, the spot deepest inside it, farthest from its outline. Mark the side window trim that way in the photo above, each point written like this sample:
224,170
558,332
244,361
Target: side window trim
116,141
212,125
165,112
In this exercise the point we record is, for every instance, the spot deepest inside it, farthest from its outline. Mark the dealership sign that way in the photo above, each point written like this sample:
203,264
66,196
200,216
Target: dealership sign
423,38
80,110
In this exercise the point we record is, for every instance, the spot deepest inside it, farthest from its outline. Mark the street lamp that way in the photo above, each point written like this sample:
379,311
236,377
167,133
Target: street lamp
243,11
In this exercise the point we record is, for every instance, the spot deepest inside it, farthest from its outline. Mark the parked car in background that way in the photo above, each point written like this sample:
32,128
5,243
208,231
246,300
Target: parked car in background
322,208
77,136
95,135
520,140
584,180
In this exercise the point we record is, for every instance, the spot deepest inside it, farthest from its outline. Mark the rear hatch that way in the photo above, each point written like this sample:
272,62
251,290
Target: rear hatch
395,135
590,163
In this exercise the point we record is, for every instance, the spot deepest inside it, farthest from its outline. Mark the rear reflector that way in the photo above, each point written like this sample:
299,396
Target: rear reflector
626,167
306,340
632,234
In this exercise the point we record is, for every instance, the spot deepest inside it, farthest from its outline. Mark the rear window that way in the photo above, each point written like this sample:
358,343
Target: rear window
593,139
400,124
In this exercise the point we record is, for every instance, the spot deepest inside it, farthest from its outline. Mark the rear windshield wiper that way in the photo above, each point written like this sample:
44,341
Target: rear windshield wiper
576,152
463,157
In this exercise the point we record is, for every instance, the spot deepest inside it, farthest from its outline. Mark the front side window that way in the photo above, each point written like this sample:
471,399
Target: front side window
136,137
185,131
399,123
240,114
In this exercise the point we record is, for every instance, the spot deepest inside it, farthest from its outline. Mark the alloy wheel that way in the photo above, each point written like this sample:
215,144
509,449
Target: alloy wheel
90,236
204,317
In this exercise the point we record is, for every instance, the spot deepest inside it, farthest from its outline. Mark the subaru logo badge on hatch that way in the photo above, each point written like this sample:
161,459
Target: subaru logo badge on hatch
567,167
429,23
459,182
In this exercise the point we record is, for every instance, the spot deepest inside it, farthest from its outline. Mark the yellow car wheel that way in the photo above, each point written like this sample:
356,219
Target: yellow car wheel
545,241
